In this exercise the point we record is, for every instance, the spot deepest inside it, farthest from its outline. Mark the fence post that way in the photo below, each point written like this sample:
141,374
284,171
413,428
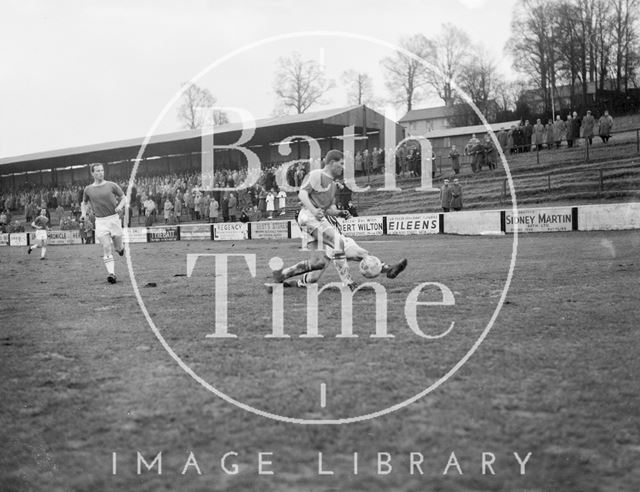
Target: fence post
638,140
586,141
601,180
537,154
549,183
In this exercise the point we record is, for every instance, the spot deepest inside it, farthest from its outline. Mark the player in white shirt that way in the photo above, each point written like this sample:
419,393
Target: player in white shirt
318,219
41,225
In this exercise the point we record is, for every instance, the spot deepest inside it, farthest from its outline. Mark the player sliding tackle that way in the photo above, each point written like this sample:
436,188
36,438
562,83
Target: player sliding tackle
107,200
318,219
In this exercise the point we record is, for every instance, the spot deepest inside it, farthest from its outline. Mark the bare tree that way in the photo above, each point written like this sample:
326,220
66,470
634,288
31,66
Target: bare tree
299,83
194,99
532,42
480,80
625,14
451,53
576,41
405,76
359,87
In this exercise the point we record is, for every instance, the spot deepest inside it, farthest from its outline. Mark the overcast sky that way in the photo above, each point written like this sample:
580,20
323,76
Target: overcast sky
83,72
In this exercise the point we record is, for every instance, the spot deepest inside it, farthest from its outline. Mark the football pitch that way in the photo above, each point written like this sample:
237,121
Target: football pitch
88,383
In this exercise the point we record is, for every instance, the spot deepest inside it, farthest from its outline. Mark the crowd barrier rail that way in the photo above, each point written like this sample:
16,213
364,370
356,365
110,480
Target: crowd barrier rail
599,217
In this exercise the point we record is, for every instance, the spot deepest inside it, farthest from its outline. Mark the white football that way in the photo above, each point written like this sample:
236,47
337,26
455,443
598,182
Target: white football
370,266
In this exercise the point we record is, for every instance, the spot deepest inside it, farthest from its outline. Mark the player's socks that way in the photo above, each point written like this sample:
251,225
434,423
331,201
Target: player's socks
340,262
29,250
43,252
110,264
303,281
297,269
121,252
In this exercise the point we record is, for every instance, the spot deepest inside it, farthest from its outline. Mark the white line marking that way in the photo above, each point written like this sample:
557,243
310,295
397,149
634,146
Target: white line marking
323,395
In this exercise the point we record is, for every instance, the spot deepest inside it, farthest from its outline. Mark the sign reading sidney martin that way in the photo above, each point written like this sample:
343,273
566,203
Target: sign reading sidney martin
540,220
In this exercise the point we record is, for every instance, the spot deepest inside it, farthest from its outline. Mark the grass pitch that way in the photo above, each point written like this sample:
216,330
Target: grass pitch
83,375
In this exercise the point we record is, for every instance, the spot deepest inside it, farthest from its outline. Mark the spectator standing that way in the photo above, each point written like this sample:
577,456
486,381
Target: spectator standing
559,131
575,128
569,129
213,209
445,196
262,203
538,134
502,139
528,135
270,202
282,202
197,206
548,134
588,122
456,195
518,138
510,142
149,208
375,157
4,220
189,203
224,207
177,206
605,124
206,200
454,155
233,207
83,232
474,149
366,161
359,163
489,152
168,207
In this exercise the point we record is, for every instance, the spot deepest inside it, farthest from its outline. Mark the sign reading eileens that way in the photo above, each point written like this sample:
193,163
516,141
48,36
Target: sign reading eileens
413,224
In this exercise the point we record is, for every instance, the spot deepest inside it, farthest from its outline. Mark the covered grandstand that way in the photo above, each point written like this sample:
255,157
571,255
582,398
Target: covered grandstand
181,151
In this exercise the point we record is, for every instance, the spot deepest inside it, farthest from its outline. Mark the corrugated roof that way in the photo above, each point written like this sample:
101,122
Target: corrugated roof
427,114
468,130
179,135
319,124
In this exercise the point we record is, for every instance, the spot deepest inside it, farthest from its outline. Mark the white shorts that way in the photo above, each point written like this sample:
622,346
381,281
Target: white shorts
41,235
108,226
308,223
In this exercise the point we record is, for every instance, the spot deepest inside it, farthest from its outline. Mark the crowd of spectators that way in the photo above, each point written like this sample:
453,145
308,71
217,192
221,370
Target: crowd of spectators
169,197
176,197
526,137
